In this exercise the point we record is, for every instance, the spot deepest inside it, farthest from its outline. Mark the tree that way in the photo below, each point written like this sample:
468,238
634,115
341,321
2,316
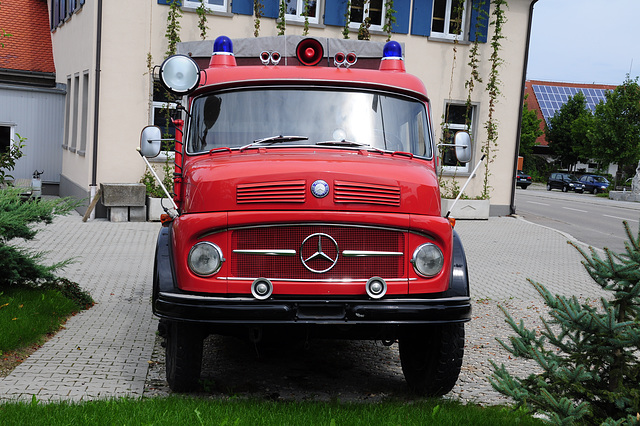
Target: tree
568,131
616,136
588,354
529,130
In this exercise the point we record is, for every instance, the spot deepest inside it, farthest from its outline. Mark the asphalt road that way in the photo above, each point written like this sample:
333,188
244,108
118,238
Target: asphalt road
593,220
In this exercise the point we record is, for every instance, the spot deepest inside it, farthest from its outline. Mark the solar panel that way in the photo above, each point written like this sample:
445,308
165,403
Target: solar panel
551,98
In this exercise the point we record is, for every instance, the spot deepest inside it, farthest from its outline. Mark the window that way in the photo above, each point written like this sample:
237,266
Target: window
212,5
61,10
5,138
163,106
457,120
67,114
74,120
448,19
85,113
363,9
295,10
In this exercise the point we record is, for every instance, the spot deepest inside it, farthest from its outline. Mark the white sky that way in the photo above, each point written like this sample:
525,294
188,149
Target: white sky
585,41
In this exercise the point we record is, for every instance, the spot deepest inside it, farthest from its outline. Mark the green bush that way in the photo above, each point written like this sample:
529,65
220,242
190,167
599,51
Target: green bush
588,354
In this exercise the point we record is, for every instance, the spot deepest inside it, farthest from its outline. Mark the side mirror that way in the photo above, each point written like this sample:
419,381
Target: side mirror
462,142
150,141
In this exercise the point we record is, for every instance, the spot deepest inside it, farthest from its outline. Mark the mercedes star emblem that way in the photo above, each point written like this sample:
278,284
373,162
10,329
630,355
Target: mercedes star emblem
325,252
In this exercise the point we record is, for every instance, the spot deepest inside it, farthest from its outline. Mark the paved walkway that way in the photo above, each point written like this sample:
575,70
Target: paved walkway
104,352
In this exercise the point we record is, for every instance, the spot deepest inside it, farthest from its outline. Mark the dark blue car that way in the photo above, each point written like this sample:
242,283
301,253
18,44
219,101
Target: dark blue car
594,183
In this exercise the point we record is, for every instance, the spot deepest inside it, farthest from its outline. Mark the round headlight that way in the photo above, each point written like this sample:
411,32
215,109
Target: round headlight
427,260
205,258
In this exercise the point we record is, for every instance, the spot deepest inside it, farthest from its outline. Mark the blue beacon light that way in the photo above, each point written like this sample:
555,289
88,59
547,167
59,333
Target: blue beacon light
392,50
223,46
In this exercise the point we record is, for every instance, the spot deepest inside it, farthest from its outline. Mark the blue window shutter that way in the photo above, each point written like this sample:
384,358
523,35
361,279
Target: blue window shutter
270,8
421,21
479,20
167,2
402,8
242,7
81,2
334,11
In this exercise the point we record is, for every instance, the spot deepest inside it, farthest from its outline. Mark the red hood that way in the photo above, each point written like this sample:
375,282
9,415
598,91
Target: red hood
281,179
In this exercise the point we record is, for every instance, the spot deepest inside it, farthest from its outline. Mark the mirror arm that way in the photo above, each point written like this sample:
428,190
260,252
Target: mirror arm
465,185
173,203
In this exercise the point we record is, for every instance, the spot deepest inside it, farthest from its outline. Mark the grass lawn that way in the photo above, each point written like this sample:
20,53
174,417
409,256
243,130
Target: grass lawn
178,410
27,317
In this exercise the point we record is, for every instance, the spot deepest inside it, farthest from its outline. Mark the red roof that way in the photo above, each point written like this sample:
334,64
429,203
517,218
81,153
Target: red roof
29,46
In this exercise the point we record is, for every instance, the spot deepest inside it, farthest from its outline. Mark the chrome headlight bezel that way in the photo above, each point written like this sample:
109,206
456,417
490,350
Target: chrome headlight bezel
195,256
432,265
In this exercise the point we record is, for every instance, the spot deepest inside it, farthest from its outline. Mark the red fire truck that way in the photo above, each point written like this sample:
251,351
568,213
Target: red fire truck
306,203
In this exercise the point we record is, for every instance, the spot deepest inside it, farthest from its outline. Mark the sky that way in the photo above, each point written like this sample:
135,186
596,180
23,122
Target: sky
585,41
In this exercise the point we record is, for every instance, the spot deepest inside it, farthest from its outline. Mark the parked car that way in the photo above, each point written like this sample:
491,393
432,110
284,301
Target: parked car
565,182
522,180
594,183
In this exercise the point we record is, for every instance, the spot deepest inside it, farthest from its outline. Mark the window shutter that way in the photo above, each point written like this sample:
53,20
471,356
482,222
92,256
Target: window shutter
242,7
402,8
271,8
167,2
334,11
479,20
421,22
82,2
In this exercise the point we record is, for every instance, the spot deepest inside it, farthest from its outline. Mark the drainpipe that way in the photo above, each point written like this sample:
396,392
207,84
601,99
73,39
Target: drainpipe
96,115
524,80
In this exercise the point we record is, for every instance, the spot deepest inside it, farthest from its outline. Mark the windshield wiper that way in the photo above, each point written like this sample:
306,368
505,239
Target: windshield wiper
345,142
275,139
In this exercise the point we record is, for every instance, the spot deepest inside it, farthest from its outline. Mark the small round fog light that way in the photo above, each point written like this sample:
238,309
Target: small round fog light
376,287
261,288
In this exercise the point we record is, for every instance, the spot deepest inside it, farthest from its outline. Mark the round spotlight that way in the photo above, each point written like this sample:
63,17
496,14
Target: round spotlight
179,74
275,57
261,288
338,59
376,288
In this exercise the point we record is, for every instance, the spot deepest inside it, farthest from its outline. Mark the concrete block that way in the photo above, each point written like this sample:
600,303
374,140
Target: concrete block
123,194
119,214
154,208
137,214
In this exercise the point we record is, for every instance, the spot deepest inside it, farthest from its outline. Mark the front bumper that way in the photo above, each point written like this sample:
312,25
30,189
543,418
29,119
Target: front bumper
242,310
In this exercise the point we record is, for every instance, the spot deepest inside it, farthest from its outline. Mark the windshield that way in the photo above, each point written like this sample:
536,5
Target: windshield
305,116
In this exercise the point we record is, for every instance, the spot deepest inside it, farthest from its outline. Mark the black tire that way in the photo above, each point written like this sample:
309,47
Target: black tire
431,358
183,350
595,190
548,187
565,189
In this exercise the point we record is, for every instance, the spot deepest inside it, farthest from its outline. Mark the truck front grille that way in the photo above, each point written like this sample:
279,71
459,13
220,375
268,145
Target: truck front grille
317,252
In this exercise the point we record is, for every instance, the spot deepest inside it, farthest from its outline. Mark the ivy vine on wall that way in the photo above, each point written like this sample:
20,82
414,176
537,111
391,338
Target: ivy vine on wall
202,19
258,10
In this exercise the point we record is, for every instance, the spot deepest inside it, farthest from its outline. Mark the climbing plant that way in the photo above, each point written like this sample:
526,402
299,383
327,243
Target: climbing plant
172,33
258,10
493,88
389,18
363,31
305,13
281,23
202,19
450,188
347,21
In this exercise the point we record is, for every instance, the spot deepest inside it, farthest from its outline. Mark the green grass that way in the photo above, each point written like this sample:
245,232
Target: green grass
28,314
193,411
